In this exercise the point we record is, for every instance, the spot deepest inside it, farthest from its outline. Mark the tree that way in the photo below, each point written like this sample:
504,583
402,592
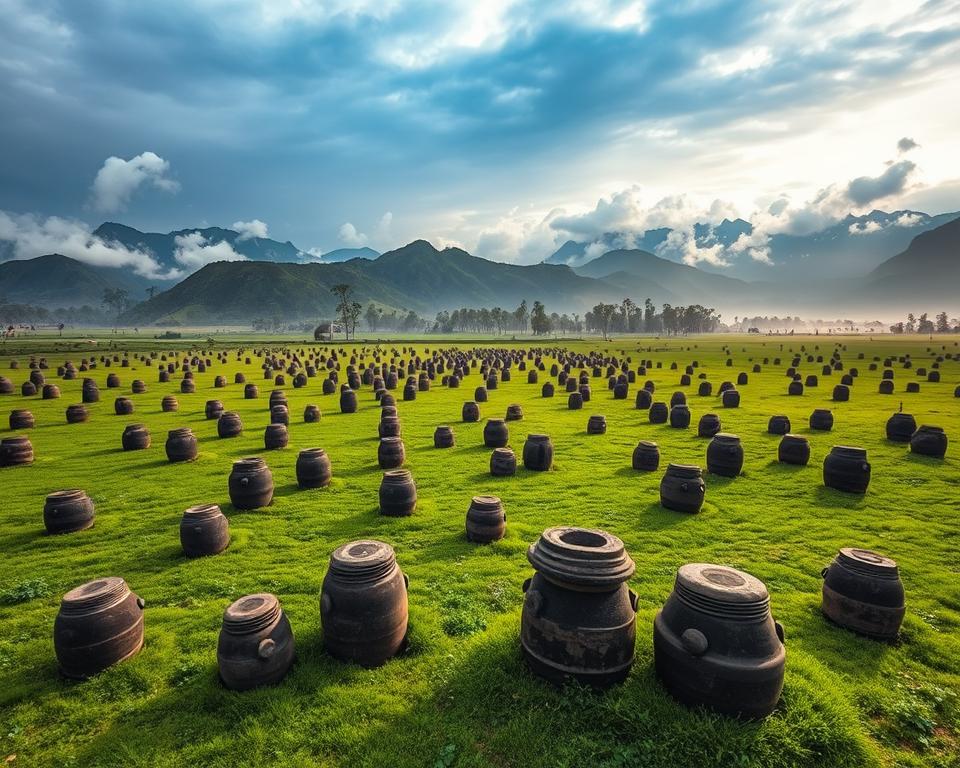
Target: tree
520,315
943,324
627,310
602,315
924,325
353,316
911,325
116,299
373,317
649,316
539,322
344,293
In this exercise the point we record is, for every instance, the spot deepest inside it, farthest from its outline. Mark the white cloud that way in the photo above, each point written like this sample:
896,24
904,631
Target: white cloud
350,237
737,62
864,228
118,179
682,242
908,220
32,236
250,229
194,251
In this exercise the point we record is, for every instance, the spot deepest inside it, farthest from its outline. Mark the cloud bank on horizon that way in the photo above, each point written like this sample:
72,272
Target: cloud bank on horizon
504,127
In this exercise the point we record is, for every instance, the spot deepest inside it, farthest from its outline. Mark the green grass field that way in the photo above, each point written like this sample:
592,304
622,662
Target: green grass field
461,695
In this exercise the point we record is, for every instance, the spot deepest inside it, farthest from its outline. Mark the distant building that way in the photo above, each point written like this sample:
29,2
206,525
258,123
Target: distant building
326,330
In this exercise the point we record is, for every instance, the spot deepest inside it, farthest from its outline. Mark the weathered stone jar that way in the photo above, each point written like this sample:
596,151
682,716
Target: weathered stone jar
313,468
708,425
900,427
538,453
470,412
443,437
682,488
495,433
181,445
503,462
658,413
169,404
390,453
579,617
596,425
363,604
15,451
715,643
862,592
256,643
135,437
21,419
725,455
275,437
821,419
204,530
229,424
77,414
398,493
646,456
486,520
100,624
250,483
929,441
213,409
68,511
794,449
778,425
846,469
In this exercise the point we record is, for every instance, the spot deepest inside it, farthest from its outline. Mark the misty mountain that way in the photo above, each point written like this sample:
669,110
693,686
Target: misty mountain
345,254
163,246
57,281
848,249
416,276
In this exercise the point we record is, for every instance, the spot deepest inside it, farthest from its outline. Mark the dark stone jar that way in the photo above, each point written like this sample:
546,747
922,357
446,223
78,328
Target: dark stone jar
929,441
251,392
486,520
708,425
100,624
348,401
169,404
725,455
730,399
311,414
204,530
794,449
900,427
480,394
229,424
213,409
51,392
846,469
597,425
658,413
181,445
778,425
398,493
123,406
575,401
443,437
821,419
390,453
795,388
680,416
644,399
514,413
275,436
495,433
862,592
363,604
503,462
715,643
470,412
841,393
21,419
68,511
256,643
682,488
135,437
250,483
538,453
389,426
579,617
279,414
77,414
313,468
547,390
646,456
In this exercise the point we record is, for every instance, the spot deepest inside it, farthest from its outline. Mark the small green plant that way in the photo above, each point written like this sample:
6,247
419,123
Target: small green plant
29,589
447,757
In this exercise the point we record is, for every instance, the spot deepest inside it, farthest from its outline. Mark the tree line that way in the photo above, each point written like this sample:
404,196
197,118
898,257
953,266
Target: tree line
629,317
923,324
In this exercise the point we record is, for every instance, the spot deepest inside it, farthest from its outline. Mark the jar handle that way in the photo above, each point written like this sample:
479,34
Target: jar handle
406,580
244,482
140,602
824,571
779,627
526,584
694,642
634,600
266,648
535,601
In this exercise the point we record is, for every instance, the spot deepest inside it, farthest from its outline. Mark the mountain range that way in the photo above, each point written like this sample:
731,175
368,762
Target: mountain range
422,278
848,249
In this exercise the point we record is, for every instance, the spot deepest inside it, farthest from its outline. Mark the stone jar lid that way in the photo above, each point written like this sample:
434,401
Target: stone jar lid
585,557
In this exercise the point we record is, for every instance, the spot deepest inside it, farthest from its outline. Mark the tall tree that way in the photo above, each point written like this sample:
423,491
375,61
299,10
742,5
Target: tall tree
372,317
115,299
602,315
539,322
520,315
344,292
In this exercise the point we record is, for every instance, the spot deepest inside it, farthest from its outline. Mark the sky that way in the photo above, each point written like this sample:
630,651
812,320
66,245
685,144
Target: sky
500,126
